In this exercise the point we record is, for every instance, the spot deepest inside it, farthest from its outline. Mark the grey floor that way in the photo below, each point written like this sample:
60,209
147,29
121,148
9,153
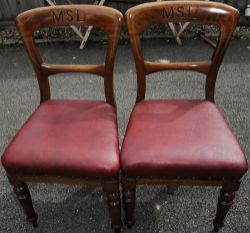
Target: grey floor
159,209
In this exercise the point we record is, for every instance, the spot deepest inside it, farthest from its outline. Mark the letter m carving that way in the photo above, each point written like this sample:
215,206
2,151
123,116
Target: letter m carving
167,13
57,18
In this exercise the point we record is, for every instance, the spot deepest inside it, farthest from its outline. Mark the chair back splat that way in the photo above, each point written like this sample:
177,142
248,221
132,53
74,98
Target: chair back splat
105,18
221,15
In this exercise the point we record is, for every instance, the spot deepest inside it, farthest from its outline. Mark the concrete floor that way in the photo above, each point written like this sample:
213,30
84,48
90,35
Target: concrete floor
165,209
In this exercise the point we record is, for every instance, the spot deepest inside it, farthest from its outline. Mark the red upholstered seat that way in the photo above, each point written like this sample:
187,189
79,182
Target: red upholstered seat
182,139
72,138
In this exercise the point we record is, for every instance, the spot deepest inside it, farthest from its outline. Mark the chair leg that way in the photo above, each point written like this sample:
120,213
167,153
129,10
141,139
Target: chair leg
23,195
225,201
129,199
114,203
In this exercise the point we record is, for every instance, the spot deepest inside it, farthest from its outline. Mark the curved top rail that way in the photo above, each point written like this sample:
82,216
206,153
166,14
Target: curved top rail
64,15
180,11
213,13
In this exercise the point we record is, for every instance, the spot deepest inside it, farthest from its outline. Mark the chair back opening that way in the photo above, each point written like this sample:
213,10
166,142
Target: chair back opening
105,18
221,15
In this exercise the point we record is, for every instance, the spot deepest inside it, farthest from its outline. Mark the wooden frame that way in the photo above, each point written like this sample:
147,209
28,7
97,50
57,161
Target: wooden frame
221,15
151,13
225,200
108,19
74,28
182,29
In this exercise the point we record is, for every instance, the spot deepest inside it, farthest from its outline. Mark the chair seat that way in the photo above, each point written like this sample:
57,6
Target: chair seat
68,138
180,139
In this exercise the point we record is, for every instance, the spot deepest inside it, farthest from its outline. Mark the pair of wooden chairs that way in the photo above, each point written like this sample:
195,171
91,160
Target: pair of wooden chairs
183,142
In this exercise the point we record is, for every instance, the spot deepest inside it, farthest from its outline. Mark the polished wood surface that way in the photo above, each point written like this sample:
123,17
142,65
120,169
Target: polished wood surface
23,196
202,67
225,18
221,15
225,201
110,20
50,69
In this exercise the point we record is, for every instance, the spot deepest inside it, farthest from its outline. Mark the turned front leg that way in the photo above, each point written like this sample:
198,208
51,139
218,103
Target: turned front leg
129,198
225,201
114,202
23,195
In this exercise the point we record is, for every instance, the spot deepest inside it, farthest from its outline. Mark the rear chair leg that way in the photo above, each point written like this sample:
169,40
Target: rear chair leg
225,201
23,195
114,203
129,198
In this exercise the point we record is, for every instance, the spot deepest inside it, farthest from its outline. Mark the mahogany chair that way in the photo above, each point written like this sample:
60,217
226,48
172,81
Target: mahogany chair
68,141
185,142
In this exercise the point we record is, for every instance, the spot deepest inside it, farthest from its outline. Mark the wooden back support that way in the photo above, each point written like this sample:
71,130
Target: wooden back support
108,19
221,15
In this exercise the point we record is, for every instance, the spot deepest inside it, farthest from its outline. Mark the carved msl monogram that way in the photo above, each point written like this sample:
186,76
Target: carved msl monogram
176,12
67,16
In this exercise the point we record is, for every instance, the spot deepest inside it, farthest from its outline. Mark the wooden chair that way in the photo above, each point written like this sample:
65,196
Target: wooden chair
182,142
68,141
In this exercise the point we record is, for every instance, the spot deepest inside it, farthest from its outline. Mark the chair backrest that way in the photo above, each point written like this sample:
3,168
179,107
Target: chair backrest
221,15
108,19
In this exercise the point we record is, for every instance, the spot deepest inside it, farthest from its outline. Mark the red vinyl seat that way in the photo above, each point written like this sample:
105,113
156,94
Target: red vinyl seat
68,141
180,142
66,138
180,139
